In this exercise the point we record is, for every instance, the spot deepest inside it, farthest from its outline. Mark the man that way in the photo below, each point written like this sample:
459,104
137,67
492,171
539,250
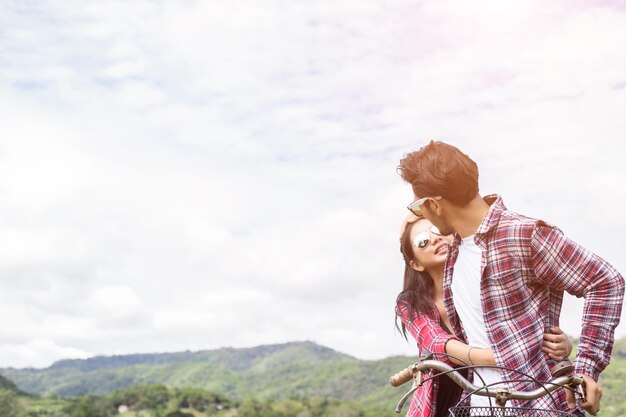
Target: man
506,273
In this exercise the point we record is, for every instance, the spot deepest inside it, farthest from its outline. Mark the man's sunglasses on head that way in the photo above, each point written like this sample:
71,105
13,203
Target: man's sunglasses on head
416,206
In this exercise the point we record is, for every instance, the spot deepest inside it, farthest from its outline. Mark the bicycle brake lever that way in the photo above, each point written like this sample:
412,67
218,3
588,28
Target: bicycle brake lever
577,383
582,391
418,379
403,400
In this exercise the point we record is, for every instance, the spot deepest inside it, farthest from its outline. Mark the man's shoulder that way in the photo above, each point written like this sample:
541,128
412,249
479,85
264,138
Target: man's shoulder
513,225
509,228
512,220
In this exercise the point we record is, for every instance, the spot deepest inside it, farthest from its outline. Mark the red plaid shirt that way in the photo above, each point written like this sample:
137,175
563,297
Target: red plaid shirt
526,265
429,335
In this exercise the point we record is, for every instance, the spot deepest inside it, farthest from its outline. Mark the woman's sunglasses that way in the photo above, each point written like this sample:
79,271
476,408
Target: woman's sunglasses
422,240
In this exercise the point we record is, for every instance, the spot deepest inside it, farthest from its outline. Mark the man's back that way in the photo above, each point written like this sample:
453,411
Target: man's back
526,265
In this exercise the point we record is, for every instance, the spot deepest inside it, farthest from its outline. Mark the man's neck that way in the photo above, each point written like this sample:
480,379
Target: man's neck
467,220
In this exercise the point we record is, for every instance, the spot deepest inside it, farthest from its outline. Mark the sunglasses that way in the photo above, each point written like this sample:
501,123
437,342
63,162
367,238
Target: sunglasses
416,206
422,240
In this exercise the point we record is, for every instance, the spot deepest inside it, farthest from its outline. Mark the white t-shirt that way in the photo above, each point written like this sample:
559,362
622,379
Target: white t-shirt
466,297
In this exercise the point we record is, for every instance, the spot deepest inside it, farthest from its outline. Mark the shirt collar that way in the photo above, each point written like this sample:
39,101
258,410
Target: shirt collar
496,207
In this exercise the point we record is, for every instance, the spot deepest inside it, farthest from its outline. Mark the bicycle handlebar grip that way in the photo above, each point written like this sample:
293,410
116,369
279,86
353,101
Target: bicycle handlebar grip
401,377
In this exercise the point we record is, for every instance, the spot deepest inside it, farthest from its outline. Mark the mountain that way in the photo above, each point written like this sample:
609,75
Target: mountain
230,358
289,370
299,369
8,384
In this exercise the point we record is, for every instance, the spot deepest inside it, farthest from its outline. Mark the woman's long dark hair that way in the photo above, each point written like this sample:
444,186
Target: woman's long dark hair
418,288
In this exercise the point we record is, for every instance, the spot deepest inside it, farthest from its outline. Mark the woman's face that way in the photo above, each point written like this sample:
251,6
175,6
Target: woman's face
430,249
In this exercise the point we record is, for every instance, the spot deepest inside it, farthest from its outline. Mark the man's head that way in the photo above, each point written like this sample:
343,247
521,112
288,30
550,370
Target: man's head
445,174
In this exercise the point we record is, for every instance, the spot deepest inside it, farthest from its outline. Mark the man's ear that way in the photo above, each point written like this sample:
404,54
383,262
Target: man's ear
436,206
417,266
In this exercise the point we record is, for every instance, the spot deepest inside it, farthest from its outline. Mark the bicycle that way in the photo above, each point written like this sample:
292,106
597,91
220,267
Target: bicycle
502,394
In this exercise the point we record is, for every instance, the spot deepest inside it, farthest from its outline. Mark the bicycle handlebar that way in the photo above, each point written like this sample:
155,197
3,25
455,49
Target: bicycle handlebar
401,377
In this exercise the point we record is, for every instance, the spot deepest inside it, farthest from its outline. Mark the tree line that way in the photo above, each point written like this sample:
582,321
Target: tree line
156,400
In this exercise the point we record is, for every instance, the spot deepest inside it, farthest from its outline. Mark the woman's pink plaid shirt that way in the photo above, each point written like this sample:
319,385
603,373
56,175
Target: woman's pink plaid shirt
429,335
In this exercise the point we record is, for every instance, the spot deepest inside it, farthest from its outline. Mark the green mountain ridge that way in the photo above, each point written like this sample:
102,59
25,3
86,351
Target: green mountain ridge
224,369
232,358
270,372
8,384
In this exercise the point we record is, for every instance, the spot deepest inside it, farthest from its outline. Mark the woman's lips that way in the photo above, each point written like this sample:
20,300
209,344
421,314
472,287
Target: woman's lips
441,249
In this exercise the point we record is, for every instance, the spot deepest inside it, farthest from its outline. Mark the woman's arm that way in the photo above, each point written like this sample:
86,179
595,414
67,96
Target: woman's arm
430,336
426,331
556,344
462,354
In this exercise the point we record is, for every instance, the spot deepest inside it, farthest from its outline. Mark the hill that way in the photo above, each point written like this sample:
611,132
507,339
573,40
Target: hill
297,368
8,384
290,370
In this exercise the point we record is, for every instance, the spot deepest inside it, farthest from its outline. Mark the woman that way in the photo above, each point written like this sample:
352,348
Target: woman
421,311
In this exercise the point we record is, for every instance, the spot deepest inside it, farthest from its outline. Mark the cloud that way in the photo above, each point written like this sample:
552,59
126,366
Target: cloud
37,353
202,174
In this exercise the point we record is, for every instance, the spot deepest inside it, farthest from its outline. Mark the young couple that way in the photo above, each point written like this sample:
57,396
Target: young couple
485,284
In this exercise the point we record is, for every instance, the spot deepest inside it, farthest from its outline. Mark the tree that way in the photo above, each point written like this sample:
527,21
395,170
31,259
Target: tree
179,414
254,408
153,396
9,406
317,405
150,396
200,399
344,410
288,408
91,406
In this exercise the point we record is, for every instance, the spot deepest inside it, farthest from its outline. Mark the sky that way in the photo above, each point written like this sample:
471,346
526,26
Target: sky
198,174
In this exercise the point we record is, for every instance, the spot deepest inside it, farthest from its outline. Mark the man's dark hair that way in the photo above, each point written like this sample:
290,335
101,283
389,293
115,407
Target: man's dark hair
439,169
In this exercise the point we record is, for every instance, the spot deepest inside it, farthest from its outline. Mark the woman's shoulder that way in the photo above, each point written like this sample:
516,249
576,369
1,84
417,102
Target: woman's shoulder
406,314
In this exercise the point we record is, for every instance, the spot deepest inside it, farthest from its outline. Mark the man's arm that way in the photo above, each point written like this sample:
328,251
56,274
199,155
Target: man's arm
564,265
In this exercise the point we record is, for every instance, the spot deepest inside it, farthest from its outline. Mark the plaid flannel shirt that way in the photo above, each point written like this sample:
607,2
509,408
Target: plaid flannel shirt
429,335
526,265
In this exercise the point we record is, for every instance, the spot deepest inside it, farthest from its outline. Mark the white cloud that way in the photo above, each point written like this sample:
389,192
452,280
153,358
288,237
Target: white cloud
115,301
37,353
195,175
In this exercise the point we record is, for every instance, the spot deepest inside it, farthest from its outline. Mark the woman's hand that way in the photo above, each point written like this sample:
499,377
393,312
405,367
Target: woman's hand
556,344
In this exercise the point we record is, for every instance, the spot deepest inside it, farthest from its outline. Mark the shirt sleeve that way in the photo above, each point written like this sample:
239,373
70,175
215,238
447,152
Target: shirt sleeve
562,264
427,332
